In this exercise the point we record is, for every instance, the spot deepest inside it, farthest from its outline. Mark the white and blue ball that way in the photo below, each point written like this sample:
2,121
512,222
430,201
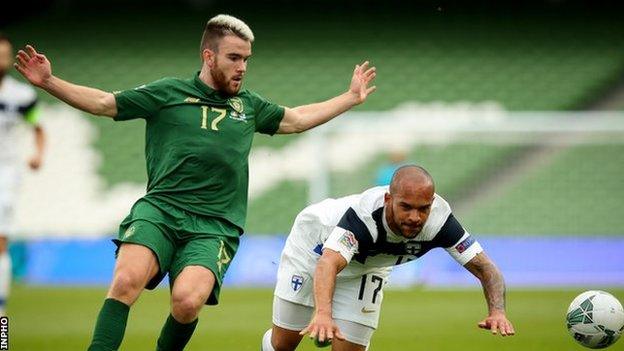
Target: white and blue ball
595,319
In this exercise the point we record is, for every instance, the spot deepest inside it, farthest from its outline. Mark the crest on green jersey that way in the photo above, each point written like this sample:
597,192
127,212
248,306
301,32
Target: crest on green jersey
237,104
129,232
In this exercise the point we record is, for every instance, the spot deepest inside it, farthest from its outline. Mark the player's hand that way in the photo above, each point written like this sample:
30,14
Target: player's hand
497,321
322,327
35,162
362,77
33,66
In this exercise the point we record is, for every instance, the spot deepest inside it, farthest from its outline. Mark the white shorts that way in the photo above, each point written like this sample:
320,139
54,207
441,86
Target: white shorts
292,316
8,197
356,299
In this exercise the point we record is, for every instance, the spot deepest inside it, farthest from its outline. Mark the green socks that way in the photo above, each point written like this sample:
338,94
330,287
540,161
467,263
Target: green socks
175,335
110,326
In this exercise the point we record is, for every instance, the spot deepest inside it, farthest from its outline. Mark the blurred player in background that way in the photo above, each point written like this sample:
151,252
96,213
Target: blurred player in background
340,252
198,138
17,104
396,159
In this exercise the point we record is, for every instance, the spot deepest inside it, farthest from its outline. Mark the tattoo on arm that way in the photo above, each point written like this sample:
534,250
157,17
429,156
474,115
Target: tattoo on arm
491,279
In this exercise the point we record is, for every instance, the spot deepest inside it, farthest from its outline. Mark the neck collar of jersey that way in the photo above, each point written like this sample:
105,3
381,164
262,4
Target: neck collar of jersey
205,88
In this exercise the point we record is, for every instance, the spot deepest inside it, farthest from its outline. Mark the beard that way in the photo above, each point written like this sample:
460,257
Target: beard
408,230
411,232
222,84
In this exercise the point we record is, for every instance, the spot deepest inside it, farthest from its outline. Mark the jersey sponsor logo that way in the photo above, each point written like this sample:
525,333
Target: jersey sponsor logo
192,100
464,245
366,310
348,240
238,117
236,104
296,282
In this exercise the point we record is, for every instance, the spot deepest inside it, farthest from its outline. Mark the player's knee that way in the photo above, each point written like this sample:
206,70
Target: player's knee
126,287
272,342
185,308
284,342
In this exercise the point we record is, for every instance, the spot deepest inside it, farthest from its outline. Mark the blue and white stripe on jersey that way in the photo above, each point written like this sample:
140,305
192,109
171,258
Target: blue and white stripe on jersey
381,247
17,104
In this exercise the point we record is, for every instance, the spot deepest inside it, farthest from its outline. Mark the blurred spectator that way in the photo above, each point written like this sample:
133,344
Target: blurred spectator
396,158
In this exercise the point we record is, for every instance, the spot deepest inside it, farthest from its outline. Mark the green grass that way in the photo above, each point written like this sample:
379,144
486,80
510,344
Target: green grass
62,319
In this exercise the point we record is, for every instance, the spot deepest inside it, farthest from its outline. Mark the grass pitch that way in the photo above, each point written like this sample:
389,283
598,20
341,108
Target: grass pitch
63,318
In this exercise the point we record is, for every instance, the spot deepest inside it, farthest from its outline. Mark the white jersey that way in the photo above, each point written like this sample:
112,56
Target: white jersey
355,226
16,101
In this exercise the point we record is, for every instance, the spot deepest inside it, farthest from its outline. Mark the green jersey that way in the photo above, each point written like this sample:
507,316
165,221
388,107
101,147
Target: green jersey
197,143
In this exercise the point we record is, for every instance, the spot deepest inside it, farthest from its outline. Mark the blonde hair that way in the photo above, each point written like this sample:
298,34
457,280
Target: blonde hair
221,25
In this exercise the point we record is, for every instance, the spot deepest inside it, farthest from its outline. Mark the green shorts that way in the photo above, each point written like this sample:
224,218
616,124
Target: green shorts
179,239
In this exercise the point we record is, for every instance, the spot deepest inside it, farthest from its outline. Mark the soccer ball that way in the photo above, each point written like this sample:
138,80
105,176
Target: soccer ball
595,319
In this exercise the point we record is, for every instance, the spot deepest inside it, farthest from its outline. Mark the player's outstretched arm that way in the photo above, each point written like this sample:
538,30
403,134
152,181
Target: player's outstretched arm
302,118
494,288
322,326
35,161
36,68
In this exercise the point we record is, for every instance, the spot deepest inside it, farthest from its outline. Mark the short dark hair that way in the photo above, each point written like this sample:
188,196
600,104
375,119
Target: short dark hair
415,170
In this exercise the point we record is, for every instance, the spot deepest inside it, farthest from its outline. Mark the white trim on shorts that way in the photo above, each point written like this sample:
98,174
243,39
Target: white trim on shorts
293,316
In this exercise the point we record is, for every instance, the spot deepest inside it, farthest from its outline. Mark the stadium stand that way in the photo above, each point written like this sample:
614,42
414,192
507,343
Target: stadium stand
528,63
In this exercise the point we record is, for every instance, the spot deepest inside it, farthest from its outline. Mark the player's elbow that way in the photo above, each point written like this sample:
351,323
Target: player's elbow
294,122
300,126
332,261
297,126
326,265
105,105
490,273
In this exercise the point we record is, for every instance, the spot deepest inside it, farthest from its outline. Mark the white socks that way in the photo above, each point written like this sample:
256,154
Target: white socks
266,341
5,280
